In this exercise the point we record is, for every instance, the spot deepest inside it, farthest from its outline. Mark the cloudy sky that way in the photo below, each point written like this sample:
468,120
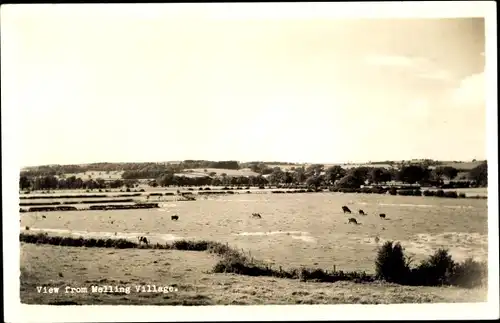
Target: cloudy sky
171,83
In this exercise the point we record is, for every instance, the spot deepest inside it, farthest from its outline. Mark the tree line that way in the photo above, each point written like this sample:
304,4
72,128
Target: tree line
312,176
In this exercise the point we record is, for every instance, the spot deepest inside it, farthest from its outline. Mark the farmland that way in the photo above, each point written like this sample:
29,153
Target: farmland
296,230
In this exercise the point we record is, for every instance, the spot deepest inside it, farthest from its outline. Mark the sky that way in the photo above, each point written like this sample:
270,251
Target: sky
171,82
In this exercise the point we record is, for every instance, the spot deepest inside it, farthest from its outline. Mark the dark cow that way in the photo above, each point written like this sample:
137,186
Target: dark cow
362,212
353,220
346,209
382,215
256,215
44,217
175,217
143,239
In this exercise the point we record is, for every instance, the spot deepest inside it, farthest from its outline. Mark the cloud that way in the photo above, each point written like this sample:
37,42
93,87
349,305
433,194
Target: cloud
471,92
421,66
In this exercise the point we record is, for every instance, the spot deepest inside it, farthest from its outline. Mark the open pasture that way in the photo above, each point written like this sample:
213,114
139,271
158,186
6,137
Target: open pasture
296,229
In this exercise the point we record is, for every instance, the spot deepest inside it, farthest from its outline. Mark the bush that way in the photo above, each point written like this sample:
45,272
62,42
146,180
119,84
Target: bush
391,264
435,271
393,191
470,274
461,195
439,193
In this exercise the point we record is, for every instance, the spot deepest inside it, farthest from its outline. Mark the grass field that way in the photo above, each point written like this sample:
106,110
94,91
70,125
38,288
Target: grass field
298,229
188,272
295,230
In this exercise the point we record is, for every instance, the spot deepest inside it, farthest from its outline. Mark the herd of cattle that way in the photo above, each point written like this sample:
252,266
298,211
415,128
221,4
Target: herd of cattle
345,209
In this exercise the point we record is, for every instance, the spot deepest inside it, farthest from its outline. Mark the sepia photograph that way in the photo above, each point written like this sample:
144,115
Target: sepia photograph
249,161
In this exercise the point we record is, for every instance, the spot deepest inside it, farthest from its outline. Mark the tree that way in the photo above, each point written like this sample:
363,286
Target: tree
334,173
379,175
314,169
447,171
350,181
299,175
287,177
24,182
479,174
314,180
277,176
413,173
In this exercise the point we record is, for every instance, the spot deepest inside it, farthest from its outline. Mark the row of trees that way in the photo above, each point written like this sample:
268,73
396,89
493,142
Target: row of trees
50,182
314,175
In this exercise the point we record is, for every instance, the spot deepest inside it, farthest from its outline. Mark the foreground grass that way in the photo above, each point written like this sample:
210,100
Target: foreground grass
192,274
438,269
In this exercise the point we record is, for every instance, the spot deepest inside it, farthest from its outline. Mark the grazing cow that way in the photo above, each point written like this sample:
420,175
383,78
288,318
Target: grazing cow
362,212
382,215
346,209
256,215
175,217
353,220
143,239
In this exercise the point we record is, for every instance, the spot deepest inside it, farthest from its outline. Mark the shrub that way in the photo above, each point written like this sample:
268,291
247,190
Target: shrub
439,193
391,264
434,271
393,191
461,195
469,273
